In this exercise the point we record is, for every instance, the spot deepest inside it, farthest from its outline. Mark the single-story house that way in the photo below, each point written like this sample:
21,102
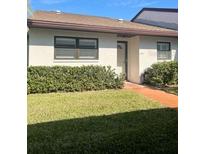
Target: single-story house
57,38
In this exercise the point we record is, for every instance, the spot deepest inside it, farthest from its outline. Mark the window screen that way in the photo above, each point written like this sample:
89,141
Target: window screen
63,53
163,50
87,44
88,53
75,48
65,42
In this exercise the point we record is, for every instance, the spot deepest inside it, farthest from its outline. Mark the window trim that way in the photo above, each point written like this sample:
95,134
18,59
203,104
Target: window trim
170,50
77,48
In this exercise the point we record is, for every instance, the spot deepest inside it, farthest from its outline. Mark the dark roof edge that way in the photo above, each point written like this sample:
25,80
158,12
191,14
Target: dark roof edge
155,9
156,24
93,28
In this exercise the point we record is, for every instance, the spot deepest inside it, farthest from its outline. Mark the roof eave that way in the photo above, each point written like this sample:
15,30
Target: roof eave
94,28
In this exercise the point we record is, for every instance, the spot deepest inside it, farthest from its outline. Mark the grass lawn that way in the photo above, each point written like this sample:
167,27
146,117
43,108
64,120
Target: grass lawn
172,90
112,121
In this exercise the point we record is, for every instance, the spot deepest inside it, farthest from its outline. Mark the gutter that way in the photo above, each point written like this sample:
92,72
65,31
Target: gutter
94,28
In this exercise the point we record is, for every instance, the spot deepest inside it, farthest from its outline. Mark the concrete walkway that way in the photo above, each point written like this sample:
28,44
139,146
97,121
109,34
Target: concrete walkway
164,98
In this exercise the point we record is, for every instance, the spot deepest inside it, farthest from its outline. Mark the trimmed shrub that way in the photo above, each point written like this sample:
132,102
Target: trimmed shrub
45,79
161,74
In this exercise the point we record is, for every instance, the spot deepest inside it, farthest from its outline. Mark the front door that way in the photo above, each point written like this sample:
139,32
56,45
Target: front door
122,57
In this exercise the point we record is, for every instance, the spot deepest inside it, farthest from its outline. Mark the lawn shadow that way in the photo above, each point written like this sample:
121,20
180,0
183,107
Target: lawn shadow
137,132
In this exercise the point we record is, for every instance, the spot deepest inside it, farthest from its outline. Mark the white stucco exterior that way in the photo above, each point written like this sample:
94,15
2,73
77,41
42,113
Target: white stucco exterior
148,51
142,50
133,59
41,48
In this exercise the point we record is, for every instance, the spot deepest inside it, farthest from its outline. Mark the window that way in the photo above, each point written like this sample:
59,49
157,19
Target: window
75,48
65,42
163,50
87,44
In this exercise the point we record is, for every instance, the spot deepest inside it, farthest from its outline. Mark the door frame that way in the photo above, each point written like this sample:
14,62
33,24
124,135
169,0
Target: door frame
126,57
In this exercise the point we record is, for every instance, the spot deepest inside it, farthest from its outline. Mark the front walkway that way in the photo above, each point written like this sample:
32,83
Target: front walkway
164,98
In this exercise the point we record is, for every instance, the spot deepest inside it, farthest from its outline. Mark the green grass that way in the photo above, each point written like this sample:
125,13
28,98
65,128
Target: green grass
112,121
172,90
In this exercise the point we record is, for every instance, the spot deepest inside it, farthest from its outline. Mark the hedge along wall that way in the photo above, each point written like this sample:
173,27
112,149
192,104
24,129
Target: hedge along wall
45,79
161,74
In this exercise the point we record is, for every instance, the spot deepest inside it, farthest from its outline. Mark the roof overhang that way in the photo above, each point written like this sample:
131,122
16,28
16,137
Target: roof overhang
97,28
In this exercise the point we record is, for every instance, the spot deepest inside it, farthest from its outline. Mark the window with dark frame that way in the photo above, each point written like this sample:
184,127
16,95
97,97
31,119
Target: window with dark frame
75,48
164,51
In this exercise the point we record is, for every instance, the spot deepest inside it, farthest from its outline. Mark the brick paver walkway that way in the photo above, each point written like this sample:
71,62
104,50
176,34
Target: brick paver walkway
164,98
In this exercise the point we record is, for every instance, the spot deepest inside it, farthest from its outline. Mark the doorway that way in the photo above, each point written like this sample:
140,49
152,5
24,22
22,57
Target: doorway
122,57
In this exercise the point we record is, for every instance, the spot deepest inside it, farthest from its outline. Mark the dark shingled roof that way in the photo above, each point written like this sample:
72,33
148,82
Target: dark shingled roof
161,17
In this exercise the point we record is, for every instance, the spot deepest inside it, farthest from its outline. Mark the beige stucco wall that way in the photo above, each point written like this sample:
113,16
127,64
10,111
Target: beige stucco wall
41,48
142,50
148,50
133,59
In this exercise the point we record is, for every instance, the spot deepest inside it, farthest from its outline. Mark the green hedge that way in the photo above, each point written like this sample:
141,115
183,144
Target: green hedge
161,74
43,79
